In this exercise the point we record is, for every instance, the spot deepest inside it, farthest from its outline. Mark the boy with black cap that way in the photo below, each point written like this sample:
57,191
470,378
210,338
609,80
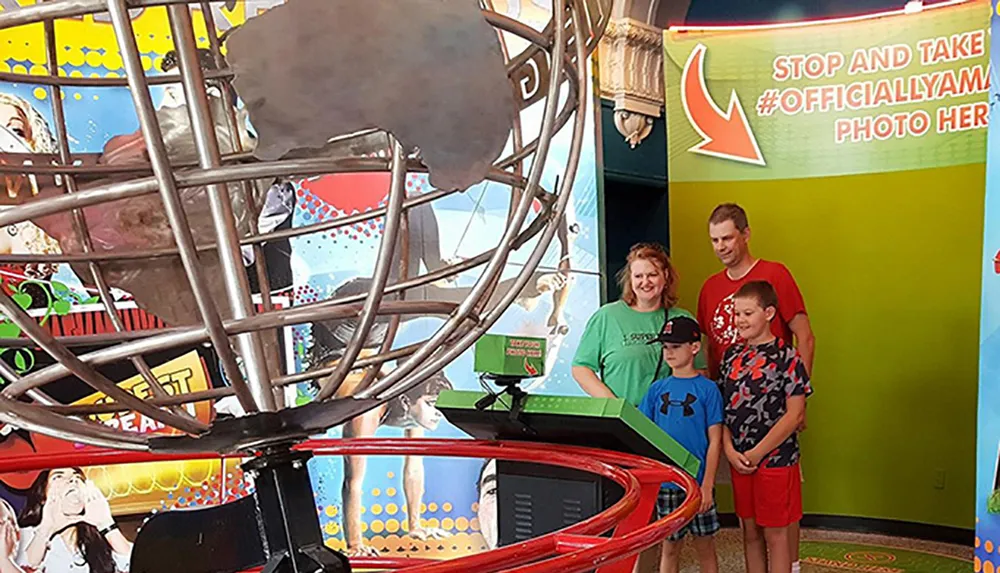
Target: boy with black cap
688,406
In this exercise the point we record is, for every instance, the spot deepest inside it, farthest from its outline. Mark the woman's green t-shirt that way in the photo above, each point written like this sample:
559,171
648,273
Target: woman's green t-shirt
614,345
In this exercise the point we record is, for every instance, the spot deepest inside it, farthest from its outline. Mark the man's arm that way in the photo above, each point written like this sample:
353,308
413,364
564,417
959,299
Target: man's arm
805,341
786,426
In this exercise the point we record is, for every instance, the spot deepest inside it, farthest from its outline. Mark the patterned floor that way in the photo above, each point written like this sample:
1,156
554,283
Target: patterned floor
828,552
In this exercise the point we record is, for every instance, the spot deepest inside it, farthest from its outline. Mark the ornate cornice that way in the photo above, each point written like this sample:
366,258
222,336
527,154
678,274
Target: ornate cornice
631,60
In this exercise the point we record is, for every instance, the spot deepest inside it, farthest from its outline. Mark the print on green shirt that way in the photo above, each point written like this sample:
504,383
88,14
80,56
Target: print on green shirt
614,345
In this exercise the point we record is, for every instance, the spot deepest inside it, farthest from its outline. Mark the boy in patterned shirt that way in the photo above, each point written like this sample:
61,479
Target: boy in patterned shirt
764,386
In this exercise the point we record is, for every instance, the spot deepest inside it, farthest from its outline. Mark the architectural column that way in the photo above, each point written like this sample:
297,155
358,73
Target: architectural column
631,72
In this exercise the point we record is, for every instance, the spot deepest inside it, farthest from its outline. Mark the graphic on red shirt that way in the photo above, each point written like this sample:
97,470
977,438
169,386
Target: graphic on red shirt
717,310
722,326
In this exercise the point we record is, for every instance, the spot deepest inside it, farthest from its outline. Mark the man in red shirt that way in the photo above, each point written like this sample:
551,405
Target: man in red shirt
730,233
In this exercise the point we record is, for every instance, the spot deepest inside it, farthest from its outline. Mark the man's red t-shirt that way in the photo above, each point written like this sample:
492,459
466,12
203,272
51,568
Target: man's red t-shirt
716,311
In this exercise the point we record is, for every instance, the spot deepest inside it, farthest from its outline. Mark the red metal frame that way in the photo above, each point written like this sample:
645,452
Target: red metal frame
574,549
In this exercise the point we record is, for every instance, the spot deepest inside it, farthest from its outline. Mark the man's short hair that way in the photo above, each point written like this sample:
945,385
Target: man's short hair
760,291
730,212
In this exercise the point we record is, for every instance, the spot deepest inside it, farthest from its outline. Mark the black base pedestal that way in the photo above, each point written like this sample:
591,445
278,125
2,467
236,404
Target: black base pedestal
533,499
277,528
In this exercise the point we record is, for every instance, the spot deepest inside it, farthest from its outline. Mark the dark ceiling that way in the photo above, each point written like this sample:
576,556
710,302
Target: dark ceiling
765,11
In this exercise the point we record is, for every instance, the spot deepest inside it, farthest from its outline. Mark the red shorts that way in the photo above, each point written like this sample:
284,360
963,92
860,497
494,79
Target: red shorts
770,496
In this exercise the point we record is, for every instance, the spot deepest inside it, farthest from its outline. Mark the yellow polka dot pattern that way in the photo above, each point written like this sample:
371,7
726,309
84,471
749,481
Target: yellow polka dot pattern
83,39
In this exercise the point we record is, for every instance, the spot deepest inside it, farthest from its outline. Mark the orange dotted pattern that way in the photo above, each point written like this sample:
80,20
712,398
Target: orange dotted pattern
988,561
386,526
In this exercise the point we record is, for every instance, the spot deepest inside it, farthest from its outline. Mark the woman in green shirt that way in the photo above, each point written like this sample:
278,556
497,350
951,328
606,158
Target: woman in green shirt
614,359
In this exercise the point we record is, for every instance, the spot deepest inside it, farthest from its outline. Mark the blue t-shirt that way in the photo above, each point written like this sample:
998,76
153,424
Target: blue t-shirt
685,408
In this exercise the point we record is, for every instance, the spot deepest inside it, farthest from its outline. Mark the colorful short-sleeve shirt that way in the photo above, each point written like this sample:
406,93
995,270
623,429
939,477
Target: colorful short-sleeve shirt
756,383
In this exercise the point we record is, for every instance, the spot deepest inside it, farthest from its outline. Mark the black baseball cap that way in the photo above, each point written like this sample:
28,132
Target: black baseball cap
679,330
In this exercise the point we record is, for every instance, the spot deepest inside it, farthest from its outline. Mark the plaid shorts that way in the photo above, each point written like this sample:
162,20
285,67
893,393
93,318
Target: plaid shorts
703,524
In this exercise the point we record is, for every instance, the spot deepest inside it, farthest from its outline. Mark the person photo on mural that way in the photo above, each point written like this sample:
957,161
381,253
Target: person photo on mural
67,527
414,412
10,536
729,230
486,506
613,358
24,130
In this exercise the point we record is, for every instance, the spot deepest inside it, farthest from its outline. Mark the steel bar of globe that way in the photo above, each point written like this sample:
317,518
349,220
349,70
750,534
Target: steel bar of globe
96,339
515,192
114,408
86,339
223,220
173,208
420,280
67,81
500,256
131,254
177,336
108,170
186,336
35,419
79,368
216,393
383,262
320,310
80,227
72,8
403,272
271,338
8,374
272,357
197,178
569,174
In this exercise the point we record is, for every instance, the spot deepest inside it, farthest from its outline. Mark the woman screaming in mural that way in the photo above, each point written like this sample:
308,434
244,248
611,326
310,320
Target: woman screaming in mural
67,527
24,131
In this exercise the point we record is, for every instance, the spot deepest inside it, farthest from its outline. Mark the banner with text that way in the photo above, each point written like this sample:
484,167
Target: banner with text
896,92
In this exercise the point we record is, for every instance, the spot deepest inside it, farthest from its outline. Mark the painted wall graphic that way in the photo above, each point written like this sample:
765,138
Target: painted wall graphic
882,234
861,96
404,506
988,436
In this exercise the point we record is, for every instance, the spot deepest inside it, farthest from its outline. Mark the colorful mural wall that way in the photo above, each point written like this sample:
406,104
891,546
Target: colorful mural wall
416,507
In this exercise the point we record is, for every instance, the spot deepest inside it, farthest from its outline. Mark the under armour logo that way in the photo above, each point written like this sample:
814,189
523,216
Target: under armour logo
686,403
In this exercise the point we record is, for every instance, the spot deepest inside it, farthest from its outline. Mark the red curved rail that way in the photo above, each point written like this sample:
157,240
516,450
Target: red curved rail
576,548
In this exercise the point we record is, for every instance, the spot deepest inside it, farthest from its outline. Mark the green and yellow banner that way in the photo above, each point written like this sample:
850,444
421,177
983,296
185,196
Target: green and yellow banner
905,90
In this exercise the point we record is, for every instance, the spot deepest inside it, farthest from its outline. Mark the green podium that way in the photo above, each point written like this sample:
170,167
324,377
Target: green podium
534,499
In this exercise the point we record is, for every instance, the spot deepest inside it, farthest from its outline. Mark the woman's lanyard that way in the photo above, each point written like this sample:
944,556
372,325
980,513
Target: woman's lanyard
659,361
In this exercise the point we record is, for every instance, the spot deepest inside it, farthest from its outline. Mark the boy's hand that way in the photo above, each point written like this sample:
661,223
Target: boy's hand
707,498
740,462
755,457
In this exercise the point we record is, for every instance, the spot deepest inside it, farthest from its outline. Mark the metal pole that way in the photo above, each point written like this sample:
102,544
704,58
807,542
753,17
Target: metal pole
171,200
230,259
193,425
397,194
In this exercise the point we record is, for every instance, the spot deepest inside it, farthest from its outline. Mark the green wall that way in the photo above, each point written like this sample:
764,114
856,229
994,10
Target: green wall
889,265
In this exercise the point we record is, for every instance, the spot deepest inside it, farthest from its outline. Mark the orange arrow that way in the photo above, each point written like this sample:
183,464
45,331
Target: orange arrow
724,135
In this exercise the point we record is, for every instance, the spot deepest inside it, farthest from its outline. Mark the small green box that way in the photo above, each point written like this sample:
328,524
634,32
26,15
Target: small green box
503,355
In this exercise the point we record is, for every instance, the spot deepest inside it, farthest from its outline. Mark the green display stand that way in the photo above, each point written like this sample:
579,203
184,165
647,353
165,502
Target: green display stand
534,499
